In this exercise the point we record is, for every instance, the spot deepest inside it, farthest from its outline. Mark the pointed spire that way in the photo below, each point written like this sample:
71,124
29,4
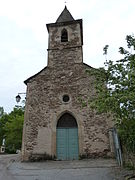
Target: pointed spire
65,16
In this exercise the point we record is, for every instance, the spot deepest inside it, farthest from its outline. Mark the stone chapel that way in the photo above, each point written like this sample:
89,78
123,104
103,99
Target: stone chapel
56,123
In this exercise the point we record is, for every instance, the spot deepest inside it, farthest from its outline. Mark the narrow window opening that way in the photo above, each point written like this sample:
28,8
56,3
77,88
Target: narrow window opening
64,36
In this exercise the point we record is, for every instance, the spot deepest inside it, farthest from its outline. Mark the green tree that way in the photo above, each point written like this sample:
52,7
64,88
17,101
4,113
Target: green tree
3,120
12,126
1,111
119,95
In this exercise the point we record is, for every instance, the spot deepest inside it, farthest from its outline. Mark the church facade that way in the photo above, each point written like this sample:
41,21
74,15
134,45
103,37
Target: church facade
57,123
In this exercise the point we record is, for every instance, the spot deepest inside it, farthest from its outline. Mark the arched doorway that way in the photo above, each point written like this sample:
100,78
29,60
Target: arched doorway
67,138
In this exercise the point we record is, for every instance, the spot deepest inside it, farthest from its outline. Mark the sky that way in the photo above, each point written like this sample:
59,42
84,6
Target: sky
24,37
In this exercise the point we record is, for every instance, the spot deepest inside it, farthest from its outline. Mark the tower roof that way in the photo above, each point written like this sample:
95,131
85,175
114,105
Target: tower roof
65,16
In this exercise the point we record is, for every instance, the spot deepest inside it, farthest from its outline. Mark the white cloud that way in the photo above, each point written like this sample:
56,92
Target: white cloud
15,52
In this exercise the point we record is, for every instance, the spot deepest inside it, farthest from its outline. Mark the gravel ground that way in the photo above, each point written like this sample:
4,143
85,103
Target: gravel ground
12,168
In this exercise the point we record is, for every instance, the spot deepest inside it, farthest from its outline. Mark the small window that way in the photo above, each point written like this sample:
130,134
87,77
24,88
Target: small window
65,98
64,36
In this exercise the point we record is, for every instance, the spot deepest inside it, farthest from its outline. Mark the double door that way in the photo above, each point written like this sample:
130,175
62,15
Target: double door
67,143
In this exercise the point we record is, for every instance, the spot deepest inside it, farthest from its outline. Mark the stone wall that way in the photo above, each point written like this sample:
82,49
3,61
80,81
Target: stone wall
65,52
44,106
74,34
64,75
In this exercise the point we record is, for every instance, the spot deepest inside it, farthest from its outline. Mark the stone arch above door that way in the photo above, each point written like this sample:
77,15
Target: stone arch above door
67,121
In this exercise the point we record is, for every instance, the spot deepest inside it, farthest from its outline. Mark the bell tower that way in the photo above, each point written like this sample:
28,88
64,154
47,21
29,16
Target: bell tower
65,40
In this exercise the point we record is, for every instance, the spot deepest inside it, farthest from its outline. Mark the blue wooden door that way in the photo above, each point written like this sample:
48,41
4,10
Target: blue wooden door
67,143
72,143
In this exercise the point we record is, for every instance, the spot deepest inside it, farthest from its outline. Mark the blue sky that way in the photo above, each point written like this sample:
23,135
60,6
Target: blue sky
24,37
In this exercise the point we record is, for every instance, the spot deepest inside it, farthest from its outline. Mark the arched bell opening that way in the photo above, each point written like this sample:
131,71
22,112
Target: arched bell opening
64,35
67,138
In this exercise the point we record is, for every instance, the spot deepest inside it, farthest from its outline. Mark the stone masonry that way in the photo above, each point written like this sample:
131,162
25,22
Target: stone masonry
65,74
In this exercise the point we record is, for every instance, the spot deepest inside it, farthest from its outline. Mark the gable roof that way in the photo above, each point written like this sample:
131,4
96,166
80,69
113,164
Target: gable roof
27,80
65,16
